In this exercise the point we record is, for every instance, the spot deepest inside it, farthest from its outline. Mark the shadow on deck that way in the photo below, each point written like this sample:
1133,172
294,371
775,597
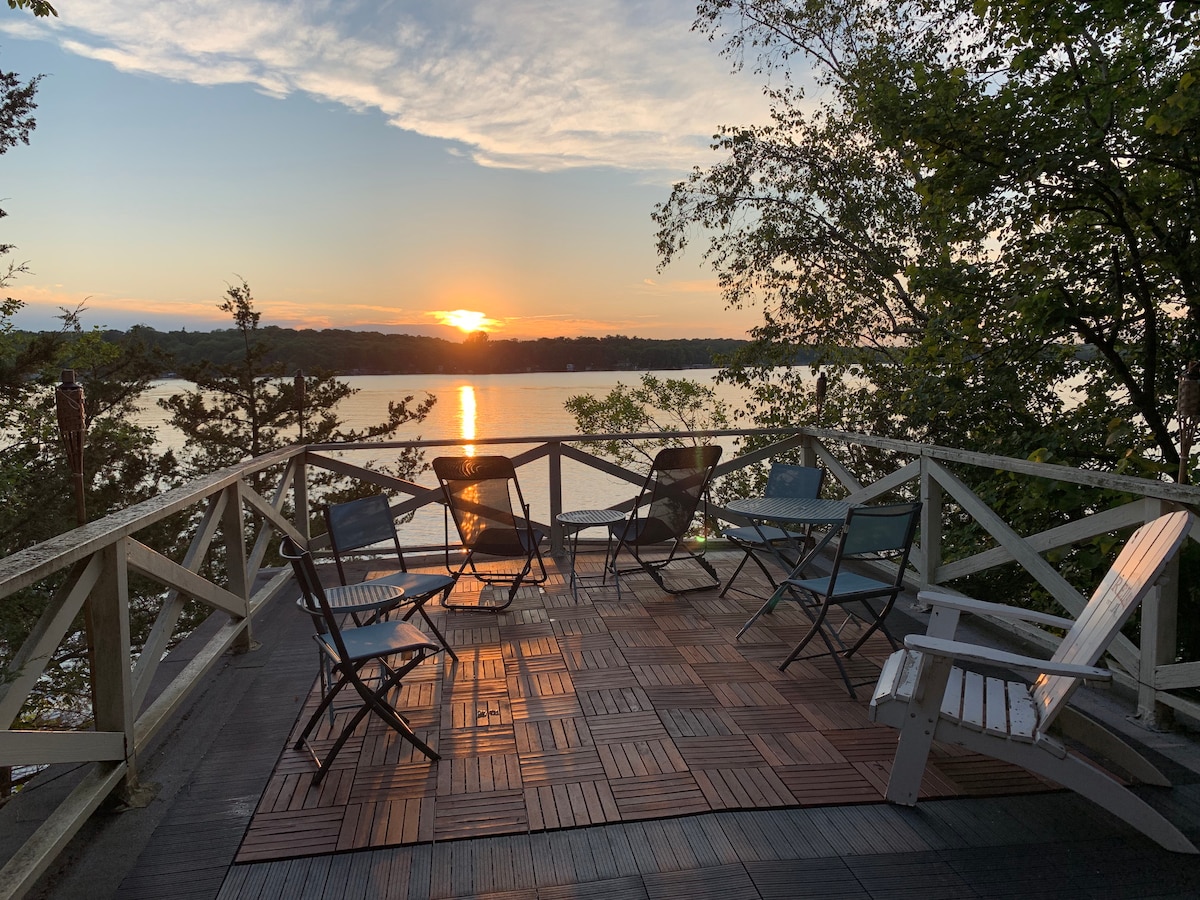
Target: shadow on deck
606,747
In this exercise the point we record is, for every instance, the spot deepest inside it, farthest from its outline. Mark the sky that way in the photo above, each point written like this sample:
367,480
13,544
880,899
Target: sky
367,163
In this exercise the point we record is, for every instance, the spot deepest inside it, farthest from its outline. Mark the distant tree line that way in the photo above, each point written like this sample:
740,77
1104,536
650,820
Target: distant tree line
372,353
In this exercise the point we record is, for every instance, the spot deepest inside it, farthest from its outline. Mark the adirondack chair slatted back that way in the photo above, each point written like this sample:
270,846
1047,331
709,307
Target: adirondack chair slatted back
1131,577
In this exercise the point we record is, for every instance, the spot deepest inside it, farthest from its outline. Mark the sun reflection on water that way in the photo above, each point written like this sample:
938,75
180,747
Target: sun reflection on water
466,405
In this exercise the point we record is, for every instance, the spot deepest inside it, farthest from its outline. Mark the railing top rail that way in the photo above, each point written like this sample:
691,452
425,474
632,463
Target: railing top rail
1148,487
25,567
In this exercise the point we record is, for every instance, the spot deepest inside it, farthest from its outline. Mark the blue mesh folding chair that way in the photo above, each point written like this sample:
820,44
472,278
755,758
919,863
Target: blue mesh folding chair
367,522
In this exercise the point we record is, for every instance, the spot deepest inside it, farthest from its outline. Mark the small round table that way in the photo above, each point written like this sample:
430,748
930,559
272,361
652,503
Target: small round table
577,521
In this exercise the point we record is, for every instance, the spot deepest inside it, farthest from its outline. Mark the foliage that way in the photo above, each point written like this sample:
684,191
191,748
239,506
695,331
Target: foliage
37,7
250,406
980,217
983,202
663,405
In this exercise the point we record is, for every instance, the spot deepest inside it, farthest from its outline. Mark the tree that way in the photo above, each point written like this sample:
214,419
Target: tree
251,406
37,7
986,203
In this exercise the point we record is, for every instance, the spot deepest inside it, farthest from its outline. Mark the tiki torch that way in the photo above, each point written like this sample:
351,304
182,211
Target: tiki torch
72,425
300,398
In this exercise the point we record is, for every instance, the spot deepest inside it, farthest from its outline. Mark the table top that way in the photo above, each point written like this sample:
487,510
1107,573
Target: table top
792,510
591,517
363,597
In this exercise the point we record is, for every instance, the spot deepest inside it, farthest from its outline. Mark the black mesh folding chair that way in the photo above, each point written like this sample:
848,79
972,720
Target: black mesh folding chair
367,522
784,480
395,647
870,533
674,489
479,493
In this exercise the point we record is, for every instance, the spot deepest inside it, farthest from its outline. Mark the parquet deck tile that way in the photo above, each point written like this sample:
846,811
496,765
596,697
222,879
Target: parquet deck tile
541,684
657,796
614,700
476,774
725,751
666,674
632,759
597,679
560,766
565,713
698,722
553,734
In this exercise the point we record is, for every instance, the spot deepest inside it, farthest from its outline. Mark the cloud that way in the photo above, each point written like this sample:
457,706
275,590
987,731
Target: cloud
532,84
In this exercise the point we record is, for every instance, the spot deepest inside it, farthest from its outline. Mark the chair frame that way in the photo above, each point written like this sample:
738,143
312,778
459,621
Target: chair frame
516,537
366,522
350,650
824,592
757,537
641,529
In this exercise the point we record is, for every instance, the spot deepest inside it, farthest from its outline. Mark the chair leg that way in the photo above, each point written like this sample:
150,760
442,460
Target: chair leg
373,701
876,625
814,631
419,607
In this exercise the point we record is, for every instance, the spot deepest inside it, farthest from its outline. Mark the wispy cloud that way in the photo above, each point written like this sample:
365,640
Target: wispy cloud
537,84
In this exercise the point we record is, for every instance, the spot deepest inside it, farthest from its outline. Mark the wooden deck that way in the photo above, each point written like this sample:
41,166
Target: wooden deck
563,713
708,773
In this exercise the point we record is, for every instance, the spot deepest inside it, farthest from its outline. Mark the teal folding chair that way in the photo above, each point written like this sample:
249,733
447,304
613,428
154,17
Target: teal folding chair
870,533
368,522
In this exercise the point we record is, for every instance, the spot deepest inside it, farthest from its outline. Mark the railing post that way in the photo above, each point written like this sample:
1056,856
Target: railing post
300,492
233,526
808,452
929,551
556,505
112,675
1160,610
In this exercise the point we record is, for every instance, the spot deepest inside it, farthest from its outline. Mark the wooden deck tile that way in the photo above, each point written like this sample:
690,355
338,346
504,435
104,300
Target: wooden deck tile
563,714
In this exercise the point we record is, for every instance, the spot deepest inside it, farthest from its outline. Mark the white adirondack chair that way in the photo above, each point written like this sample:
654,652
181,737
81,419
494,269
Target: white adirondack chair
922,694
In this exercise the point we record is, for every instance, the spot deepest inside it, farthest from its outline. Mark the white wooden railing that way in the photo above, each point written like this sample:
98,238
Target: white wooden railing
93,563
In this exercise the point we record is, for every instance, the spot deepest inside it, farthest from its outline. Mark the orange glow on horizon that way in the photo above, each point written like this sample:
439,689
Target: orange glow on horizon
467,321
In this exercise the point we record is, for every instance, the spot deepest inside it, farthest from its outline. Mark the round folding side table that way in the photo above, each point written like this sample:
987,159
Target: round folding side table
576,521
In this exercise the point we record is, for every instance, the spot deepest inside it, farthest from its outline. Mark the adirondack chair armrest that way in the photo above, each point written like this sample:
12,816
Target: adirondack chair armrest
976,653
984,608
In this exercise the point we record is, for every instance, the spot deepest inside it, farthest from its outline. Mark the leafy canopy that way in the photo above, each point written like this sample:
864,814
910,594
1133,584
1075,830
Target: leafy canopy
982,217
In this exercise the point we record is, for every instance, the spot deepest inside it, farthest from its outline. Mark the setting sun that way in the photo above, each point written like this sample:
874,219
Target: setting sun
467,320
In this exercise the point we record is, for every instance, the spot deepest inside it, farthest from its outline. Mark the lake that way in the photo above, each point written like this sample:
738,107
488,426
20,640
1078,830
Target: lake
474,407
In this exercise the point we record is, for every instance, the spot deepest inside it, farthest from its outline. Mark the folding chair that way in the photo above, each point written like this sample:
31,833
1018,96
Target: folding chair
349,651
784,480
871,532
673,490
367,522
479,492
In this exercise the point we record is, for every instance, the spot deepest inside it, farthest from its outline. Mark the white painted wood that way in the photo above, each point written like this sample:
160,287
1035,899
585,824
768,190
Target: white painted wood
1022,714
996,706
35,653
962,603
32,748
991,656
972,702
952,699
168,572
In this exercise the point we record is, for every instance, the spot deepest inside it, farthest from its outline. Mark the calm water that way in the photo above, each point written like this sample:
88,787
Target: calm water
474,407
